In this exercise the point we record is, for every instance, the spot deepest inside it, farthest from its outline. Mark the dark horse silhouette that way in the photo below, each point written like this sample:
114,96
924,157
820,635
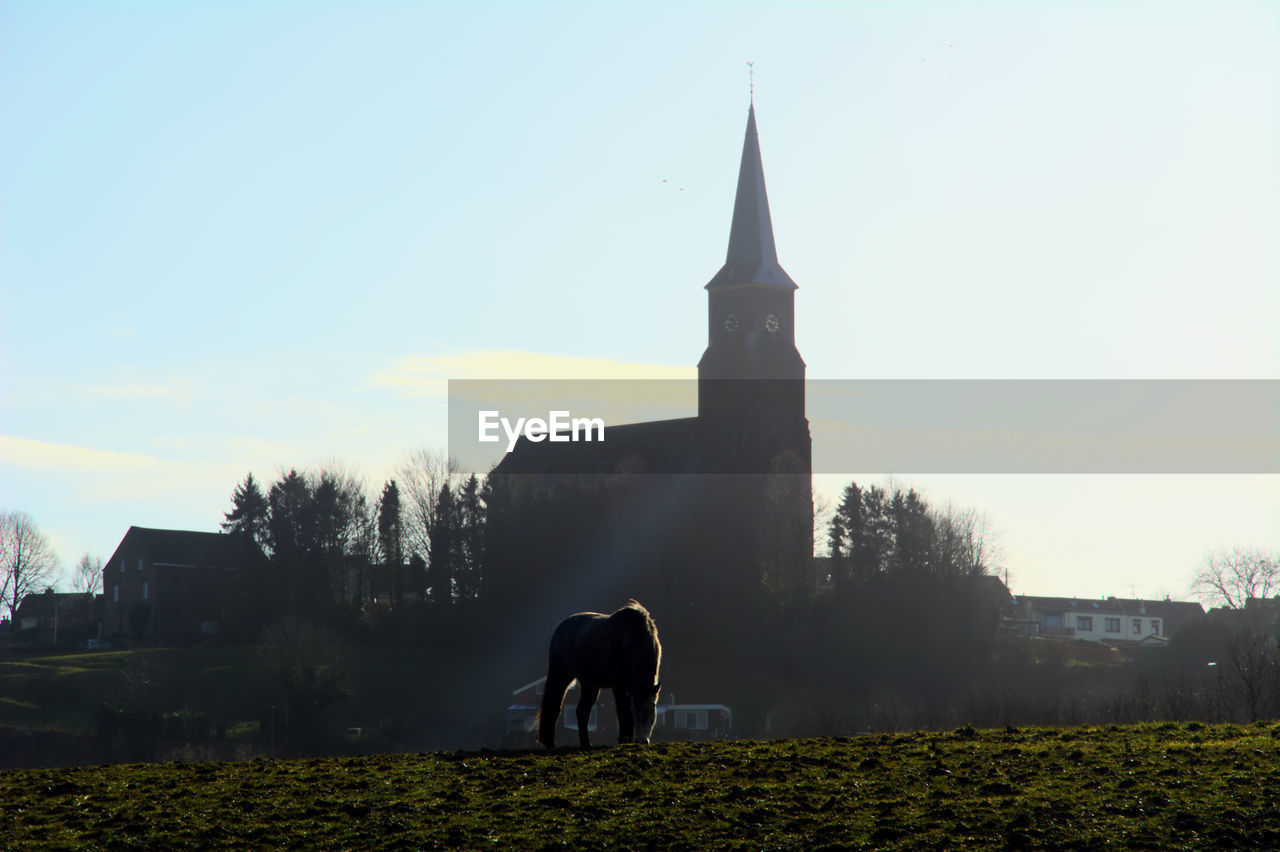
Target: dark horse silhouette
619,652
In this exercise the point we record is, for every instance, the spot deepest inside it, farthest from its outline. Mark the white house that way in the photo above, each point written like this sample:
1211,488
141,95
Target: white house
1109,620
672,721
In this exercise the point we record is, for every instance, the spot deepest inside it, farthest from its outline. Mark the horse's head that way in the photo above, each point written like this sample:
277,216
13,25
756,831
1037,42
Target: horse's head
644,703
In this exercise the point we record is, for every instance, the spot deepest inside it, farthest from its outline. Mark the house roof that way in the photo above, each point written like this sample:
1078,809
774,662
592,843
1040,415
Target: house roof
180,547
1175,613
40,604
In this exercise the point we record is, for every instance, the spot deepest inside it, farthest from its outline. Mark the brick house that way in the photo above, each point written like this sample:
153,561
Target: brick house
168,585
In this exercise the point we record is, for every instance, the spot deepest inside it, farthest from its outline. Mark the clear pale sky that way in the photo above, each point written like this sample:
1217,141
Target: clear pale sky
245,236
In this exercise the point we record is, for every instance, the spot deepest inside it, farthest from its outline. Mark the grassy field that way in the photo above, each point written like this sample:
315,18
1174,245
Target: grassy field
1163,786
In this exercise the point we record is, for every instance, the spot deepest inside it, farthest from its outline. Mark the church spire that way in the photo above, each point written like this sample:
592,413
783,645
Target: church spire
752,257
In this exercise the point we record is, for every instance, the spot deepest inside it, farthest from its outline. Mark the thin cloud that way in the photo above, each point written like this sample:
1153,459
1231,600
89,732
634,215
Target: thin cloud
44,456
429,375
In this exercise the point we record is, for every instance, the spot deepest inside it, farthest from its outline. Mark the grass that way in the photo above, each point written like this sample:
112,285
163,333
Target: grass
1160,786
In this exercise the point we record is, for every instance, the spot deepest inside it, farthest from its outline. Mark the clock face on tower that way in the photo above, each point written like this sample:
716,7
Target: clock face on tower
731,323
772,324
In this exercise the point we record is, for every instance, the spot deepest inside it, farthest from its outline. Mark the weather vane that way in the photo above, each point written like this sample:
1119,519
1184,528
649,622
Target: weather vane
751,82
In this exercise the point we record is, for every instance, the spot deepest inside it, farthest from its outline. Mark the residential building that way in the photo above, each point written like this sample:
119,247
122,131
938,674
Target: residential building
671,721
60,619
1107,620
168,585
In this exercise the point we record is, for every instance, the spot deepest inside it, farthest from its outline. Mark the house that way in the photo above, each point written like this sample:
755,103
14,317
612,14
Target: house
168,585
671,721
1107,620
522,713
54,618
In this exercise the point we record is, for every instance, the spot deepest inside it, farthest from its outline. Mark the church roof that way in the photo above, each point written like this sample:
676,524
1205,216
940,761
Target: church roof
660,446
752,257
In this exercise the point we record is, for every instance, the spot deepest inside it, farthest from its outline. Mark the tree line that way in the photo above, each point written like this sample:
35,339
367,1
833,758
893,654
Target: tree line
312,545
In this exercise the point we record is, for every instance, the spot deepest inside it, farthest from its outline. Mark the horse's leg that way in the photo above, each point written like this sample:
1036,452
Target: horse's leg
558,681
589,695
626,721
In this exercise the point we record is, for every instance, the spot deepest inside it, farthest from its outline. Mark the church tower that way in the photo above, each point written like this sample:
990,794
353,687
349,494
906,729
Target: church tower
751,377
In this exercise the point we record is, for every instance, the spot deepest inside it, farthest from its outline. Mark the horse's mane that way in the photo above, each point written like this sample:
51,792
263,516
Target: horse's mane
635,618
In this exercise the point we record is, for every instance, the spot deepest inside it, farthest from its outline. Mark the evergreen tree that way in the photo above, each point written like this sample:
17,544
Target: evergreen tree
391,539
249,515
913,534
442,562
846,532
471,523
289,537
344,539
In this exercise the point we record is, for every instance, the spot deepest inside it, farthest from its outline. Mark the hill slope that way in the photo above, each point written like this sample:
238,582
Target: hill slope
1162,786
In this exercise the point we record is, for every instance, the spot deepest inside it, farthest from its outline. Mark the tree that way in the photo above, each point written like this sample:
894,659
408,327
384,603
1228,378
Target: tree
420,479
391,539
345,535
250,513
1244,581
1232,577
442,564
966,543
913,534
288,504
27,560
288,538
88,575
390,528
471,527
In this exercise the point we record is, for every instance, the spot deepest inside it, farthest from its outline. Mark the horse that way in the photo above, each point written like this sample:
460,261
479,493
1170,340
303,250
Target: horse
619,652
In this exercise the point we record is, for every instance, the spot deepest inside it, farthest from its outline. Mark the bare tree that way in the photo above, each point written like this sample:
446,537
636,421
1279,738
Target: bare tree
1231,577
1243,580
823,511
421,478
88,575
968,543
27,560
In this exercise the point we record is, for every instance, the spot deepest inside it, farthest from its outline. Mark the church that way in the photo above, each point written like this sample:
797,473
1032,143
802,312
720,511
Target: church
691,511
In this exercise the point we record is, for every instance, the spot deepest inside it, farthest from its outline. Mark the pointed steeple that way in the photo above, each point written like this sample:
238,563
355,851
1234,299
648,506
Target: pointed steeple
752,257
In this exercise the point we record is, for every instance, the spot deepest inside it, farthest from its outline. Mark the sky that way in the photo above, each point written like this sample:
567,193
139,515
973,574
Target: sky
250,236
